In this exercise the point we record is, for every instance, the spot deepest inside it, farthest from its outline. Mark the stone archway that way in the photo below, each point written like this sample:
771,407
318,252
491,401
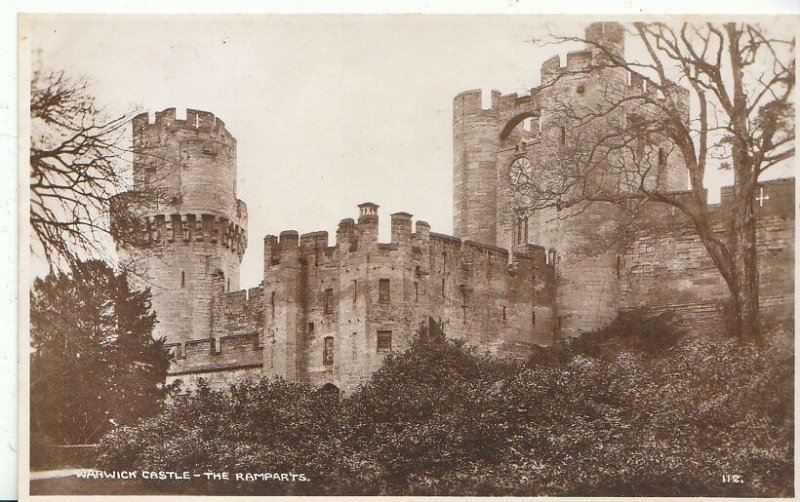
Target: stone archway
514,121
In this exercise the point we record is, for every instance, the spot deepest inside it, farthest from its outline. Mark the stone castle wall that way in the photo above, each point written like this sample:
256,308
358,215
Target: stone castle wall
317,294
667,268
235,348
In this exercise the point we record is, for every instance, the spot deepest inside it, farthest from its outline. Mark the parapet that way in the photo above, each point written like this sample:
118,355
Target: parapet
237,312
472,102
772,198
577,62
197,121
202,356
314,247
170,228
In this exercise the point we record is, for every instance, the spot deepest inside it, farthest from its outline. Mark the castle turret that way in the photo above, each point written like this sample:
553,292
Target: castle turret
605,40
504,148
193,226
475,169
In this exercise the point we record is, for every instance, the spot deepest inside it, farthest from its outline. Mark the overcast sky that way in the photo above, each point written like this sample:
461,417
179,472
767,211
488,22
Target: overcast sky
329,111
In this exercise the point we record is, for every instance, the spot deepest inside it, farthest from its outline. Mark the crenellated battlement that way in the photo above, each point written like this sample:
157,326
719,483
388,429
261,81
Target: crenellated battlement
197,122
168,228
471,101
577,62
352,239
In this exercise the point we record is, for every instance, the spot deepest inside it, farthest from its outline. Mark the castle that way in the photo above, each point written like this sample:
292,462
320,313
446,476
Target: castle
509,279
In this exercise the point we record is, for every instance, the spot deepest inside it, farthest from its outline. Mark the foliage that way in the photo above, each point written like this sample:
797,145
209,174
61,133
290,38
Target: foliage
93,358
602,416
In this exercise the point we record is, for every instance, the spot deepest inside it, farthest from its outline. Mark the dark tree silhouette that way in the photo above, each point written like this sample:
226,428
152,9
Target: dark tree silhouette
94,362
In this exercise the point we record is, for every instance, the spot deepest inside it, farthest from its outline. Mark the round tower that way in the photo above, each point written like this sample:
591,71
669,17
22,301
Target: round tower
475,146
192,228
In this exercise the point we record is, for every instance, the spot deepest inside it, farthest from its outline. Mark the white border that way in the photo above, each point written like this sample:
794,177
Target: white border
9,265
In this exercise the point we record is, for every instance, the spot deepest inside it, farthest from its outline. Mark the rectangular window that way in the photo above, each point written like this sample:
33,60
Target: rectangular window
327,351
355,290
384,340
416,292
562,139
525,226
383,290
328,301
504,312
311,328
533,318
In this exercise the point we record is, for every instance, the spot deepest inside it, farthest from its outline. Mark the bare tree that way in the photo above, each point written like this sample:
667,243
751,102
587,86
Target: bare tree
616,150
80,162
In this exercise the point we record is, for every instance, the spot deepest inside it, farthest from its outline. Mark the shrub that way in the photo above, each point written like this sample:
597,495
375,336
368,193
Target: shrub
608,415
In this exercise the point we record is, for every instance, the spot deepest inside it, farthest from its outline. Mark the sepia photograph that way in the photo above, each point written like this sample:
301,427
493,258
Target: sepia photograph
407,255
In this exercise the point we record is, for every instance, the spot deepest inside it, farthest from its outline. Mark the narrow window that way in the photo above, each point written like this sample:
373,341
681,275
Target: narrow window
384,340
311,328
383,290
533,318
328,301
229,284
272,303
619,266
416,292
504,312
525,226
355,290
662,158
327,351
442,287
183,279
562,140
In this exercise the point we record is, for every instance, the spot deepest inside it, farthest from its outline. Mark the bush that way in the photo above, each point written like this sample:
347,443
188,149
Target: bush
608,415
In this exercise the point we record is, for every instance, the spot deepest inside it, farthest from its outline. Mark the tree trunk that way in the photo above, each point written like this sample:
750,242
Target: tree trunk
745,268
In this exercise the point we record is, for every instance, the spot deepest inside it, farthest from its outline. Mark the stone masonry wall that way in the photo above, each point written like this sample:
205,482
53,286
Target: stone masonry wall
666,267
315,292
